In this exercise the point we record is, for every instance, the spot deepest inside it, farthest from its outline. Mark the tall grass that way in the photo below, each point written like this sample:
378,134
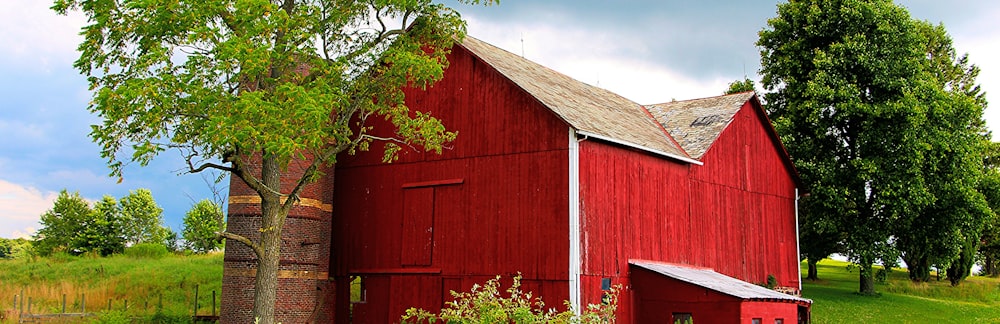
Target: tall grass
142,281
977,300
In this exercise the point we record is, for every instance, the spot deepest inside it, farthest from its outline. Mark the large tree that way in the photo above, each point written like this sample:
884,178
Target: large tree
234,82
842,77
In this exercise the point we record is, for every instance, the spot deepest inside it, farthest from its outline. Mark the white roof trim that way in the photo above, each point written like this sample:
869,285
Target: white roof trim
637,146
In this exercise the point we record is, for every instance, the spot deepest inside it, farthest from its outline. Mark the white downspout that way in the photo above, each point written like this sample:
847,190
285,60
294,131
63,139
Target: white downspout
574,222
798,253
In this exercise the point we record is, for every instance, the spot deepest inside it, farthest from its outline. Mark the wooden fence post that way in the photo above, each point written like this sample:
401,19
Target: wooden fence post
64,304
213,303
195,300
109,304
83,303
29,305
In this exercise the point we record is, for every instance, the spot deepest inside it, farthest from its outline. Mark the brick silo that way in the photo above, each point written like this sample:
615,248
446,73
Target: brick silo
304,288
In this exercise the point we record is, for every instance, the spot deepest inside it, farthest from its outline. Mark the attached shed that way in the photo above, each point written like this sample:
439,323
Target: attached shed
678,293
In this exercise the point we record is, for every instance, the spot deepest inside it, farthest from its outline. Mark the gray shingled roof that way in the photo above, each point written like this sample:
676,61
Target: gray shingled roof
696,124
584,107
710,279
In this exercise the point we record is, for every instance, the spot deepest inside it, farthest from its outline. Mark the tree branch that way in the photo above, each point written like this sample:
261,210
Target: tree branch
242,239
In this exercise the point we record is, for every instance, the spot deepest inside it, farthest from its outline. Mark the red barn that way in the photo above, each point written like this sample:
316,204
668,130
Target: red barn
577,188
567,184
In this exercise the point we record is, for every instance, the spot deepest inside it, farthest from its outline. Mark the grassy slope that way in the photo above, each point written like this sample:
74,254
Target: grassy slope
977,300
140,281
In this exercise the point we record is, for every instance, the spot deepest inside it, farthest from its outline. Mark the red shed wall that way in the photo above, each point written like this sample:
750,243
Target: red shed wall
658,297
768,312
495,203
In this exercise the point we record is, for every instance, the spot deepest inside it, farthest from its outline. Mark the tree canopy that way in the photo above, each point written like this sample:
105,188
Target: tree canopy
230,83
884,123
61,224
200,225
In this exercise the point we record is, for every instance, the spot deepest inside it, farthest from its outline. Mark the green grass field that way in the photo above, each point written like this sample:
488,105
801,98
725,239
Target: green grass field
140,281
977,300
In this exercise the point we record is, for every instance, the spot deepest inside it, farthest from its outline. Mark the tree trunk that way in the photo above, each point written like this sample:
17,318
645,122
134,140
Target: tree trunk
990,266
813,274
866,285
919,268
272,221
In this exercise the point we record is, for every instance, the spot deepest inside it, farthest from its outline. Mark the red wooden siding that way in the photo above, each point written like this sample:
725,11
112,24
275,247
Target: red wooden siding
418,226
753,191
495,203
734,214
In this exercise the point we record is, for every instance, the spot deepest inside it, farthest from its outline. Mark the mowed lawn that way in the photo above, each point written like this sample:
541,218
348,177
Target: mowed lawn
976,300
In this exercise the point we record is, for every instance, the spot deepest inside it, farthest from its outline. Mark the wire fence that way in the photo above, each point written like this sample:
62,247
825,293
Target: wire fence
76,309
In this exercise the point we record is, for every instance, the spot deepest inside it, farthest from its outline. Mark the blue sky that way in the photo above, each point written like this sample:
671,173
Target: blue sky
648,51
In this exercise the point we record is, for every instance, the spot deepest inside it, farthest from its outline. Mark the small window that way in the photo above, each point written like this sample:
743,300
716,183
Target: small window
779,321
682,318
757,321
357,290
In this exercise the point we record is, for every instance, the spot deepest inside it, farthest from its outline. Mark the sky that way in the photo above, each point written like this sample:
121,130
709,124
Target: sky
647,51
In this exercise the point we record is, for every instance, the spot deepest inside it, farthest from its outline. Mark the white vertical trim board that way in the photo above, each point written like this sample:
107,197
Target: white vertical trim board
574,222
798,253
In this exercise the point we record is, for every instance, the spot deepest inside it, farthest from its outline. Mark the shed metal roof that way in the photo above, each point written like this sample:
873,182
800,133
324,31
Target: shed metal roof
710,279
697,123
586,108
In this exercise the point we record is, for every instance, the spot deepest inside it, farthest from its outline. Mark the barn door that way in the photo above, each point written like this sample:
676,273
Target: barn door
418,227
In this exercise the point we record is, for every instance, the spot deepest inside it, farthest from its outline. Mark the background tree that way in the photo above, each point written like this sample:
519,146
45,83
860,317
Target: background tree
103,231
741,86
233,82
989,248
142,217
841,76
60,225
955,139
201,224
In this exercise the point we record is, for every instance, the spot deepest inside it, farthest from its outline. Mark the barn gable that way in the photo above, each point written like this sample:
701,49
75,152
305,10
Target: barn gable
697,123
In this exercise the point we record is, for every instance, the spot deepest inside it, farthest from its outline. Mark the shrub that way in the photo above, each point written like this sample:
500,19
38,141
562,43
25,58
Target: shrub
486,304
146,251
112,317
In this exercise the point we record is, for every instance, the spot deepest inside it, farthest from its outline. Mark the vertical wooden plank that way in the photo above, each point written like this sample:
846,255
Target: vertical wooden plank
418,227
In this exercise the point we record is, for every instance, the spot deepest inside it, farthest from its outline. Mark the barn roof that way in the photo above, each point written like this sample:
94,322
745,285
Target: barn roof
697,123
712,280
590,110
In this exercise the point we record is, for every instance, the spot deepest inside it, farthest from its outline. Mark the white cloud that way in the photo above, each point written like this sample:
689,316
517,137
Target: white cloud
596,58
21,207
34,36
